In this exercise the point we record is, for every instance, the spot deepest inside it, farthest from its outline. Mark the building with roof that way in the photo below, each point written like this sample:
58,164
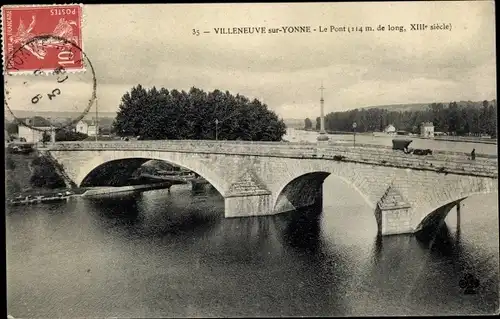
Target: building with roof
400,209
33,133
86,127
390,129
427,129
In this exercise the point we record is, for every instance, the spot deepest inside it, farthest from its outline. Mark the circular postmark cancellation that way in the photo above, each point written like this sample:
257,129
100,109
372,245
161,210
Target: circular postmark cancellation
48,96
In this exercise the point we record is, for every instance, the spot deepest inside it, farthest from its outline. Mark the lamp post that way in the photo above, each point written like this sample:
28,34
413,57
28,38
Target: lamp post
354,125
96,121
32,130
216,129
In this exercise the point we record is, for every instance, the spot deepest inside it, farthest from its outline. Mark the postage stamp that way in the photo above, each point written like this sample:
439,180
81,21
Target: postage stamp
46,89
57,29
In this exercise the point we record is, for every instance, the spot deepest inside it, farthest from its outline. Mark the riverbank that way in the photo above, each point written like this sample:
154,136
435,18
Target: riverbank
465,139
107,190
32,175
46,196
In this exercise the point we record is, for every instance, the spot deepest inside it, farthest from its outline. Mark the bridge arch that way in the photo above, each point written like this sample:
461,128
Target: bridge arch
112,172
305,188
98,162
440,206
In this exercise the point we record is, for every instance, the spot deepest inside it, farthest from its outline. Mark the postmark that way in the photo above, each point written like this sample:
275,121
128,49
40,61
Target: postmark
46,89
22,24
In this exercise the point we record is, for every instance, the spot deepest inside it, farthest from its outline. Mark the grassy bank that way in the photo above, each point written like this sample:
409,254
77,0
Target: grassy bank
31,174
17,173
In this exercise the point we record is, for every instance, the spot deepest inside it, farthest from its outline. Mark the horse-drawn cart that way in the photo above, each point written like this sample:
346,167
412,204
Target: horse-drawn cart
400,144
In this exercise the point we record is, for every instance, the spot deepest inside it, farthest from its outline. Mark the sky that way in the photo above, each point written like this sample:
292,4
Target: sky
153,45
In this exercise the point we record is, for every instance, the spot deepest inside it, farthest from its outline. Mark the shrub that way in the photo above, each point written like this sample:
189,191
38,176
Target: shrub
44,174
64,135
10,164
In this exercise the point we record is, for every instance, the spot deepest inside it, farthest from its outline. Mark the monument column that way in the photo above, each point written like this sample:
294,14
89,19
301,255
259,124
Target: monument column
322,134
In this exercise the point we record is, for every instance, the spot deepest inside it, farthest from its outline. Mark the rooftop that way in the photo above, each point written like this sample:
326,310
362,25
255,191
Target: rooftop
36,121
88,122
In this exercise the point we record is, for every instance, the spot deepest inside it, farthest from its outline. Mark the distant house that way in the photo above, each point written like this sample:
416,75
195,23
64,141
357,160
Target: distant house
34,132
86,127
390,129
427,129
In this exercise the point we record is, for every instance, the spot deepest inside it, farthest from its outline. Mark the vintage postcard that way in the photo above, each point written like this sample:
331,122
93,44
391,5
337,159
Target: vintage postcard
241,160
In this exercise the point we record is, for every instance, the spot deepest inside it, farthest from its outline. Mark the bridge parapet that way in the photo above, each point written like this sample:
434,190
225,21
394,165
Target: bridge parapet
372,155
223,145
436,152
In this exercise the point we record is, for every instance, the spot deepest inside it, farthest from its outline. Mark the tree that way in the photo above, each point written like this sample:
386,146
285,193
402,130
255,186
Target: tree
492,115
67,135
11,128
452,118
308,124
104,131
161,114
483,118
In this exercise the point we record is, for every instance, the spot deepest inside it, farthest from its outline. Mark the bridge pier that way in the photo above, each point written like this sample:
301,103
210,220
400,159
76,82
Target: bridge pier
394,221
247,205
393,214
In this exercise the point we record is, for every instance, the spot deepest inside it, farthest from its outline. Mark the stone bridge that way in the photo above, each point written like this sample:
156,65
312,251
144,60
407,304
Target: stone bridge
265,178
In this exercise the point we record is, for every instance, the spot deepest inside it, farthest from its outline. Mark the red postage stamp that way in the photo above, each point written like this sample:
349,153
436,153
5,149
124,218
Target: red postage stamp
48,36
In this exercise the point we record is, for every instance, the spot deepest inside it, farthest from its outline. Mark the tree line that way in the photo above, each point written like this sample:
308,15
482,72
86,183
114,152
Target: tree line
454,118
155,114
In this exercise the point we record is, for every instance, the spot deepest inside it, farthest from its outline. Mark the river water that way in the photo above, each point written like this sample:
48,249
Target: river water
160,254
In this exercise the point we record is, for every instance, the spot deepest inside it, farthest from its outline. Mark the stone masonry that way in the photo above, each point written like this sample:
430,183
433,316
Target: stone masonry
269,178
393,213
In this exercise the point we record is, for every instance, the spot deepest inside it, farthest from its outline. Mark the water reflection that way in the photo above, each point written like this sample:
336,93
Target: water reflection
303,229
377,248
439,240
110,214
135,215
160,254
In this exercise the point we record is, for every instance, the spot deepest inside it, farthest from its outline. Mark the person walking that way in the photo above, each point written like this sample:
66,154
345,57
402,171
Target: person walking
473,154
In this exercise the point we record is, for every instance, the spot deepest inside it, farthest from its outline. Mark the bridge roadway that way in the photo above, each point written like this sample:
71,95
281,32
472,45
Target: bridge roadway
263,178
